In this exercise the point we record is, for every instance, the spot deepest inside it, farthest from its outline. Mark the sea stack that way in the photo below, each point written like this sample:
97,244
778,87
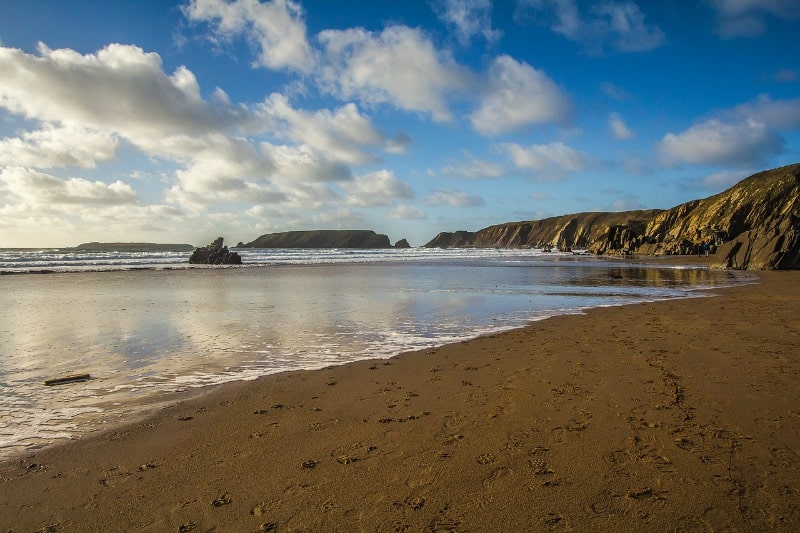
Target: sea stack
215,253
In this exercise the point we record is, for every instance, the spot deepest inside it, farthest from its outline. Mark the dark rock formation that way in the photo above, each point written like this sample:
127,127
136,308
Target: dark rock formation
215,254
562,232
133,247
755,224
322,239
402,243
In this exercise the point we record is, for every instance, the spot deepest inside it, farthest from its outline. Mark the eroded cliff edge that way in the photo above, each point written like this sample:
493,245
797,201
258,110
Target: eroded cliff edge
755,225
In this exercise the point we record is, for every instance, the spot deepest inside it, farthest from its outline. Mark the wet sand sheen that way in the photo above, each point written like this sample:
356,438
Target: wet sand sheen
676,415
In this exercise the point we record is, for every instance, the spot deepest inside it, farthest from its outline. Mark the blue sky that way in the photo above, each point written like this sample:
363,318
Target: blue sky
181,121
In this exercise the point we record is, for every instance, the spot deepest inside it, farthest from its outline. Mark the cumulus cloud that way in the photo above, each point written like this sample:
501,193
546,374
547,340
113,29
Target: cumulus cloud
468,19
276,28
778,115
55,146
745,135
376,189
715,142
748,18
213,142
398,144
36,188
518,95
340,133
554,156
399,66
130,94
616,24
618,127
455,199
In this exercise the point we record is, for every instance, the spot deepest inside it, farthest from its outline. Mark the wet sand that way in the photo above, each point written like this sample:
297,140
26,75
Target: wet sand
681,415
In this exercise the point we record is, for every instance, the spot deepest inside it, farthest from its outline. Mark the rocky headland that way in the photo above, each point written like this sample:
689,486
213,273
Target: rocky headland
324,239
753,225
133,247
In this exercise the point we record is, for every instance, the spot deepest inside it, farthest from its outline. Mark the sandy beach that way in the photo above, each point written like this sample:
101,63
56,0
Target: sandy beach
681,415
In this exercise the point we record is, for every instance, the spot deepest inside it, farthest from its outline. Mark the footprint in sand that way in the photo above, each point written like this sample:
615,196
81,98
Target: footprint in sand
350,453
604,503
324,424
556,522
540,467
486,458
495,477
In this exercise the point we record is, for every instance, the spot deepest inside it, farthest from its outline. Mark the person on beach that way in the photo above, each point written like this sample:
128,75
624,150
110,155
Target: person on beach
706,247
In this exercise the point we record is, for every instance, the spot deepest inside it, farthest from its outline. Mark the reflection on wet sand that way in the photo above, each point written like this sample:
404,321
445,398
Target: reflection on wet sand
145,335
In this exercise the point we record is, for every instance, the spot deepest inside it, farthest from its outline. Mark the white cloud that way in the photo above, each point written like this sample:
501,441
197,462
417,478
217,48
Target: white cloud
616,24
398,66
340,133
545,157
455,199
275,27
468,19
35,188
618,127
747,18
518,95
398,144
715,142
54,146
303,164
130,95
376,189
778,115
744,135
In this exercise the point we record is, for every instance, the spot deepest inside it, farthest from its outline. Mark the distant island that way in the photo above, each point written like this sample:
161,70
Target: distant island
133,247
753,225
324,239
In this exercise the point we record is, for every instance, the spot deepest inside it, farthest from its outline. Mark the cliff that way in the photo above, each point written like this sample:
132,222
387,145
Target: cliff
133,247
321,239
563,232
755,224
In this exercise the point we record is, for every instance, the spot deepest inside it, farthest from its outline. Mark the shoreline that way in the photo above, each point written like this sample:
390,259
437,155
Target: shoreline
646,415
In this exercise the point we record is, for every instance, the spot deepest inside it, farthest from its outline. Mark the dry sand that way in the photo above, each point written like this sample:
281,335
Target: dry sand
680,415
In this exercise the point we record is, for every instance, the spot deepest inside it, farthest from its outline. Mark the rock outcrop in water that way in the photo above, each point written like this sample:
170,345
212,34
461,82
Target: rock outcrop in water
755,225
215,253
322,239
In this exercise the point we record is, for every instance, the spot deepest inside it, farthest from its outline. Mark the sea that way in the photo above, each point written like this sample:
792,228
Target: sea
150,329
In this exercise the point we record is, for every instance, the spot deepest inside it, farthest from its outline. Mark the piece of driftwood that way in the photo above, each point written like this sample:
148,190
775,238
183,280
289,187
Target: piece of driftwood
68,379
